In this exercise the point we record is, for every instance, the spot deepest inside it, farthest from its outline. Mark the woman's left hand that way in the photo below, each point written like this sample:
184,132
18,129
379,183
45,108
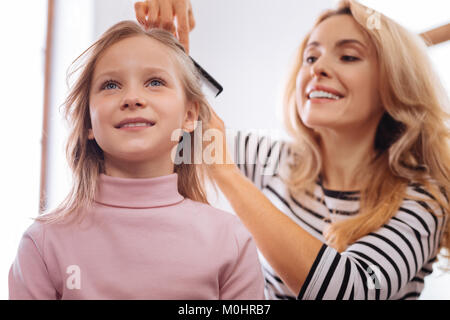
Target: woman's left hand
224,161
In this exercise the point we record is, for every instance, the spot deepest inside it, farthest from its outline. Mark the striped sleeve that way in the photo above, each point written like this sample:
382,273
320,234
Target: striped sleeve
258,157
381,264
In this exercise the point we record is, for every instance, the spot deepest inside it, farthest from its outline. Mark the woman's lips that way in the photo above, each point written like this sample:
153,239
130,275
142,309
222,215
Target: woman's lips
322,100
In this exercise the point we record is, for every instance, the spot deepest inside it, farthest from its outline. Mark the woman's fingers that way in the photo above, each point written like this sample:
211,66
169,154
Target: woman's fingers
191,18
162,13
166,16
153,14
141,11
183,24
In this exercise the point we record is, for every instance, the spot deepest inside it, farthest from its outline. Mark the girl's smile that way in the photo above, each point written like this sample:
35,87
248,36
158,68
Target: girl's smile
135,124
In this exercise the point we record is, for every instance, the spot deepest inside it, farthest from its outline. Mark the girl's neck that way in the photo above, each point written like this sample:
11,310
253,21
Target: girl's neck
138,169
343,158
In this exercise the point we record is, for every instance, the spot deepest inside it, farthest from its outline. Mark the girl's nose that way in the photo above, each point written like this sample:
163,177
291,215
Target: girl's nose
130,103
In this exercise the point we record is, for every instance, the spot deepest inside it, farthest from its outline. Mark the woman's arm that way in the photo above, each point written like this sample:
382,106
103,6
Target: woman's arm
289,249
313,270
388,258
437,35
258,157
389,263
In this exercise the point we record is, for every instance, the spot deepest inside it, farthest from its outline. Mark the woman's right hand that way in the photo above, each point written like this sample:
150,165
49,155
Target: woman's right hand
162,13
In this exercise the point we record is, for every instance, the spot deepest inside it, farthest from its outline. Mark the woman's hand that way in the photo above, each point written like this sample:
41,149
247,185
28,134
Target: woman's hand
224,161
162,13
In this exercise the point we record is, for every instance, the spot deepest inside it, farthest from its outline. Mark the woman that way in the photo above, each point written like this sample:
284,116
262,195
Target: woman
357,206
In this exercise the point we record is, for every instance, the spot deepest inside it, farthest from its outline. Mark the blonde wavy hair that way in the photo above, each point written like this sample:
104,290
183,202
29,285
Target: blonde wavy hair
85,157
412,138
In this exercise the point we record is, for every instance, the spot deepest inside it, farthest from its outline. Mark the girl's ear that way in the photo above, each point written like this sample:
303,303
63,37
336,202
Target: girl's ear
191,116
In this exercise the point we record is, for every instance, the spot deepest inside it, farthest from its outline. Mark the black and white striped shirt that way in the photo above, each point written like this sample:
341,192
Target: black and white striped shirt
390,263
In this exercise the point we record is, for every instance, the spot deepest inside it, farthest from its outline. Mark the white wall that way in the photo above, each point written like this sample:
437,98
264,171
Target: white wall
22,57
248,46
74,21
419,16
22,61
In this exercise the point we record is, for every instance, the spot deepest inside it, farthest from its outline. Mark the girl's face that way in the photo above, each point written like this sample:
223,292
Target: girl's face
337,85
137,101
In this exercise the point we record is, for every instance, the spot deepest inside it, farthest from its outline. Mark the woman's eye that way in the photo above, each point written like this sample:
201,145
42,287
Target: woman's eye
349,58
310,59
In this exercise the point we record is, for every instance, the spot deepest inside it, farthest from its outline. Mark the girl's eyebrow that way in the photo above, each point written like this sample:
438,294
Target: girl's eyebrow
116,72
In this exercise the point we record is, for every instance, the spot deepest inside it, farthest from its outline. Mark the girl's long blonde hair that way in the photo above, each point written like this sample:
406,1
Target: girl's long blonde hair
412,138
85,157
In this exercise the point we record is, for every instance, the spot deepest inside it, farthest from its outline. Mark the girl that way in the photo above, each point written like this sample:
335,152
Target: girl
356,206
135,226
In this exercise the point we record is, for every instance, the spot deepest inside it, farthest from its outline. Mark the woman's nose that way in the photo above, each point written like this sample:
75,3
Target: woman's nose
320,69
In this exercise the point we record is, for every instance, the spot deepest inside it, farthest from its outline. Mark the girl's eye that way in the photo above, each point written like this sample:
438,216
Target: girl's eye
349,58
111,84
156,83
107,85
310,59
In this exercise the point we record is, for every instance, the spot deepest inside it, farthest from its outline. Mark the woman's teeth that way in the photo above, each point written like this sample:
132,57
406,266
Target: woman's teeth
323,94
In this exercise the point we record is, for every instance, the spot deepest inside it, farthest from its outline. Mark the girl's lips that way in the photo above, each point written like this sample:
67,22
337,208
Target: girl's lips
137,120
135,128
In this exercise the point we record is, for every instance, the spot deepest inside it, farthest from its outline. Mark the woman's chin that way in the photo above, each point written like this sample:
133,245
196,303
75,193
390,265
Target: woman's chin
317,123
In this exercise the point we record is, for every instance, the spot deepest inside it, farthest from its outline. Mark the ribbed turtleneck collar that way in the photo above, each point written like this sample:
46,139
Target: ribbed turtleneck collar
138,193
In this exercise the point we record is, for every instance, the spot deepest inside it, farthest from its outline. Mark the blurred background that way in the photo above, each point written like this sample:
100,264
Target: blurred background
247,45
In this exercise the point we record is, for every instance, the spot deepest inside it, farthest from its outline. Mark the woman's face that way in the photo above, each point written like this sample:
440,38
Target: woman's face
137,101
337,85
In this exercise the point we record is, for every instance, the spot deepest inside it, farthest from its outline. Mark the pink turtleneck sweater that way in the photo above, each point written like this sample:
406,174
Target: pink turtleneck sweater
140,240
